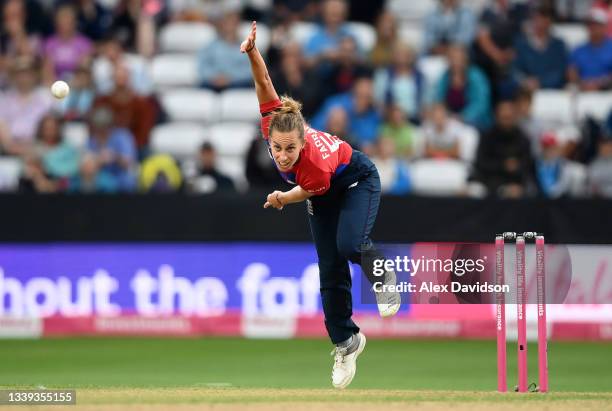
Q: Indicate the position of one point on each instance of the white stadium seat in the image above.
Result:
(180, 139)
(573, 35)
(239, 105)
(185, 37)
(439, 177)
(232, 139)
(413, 10)
(364, 34)
(174, 70)
(432, 68)
(76, 134)
(264, 36)
(234, 167)
(553, 106)
(594, 104)
(191, 105)
(412, 34)
(10, 170)
(468, 144)
(302, 31)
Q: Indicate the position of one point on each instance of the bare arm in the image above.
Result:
(278, 199)
(263, 83)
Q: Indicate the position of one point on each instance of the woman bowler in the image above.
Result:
(342, 190)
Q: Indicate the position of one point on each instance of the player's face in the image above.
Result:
(286, 147)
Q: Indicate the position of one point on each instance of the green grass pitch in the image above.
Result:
(288, 364)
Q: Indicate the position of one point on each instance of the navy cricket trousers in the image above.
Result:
(341, 221)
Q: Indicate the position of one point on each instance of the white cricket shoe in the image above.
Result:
(345, 364)
(388, 302)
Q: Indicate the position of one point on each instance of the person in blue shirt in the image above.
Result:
(541, 59)
(591, 63)
(323, 47)
(449, 23)
(364, 119)
(113, 147)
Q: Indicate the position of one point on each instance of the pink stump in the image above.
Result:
(500, 317)
(541, 300)
(520, 310)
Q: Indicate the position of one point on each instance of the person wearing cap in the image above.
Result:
(22, 107)
(113, 147)
(600, 170)
(606, 6)
(541, 58)
(591, 63)
(556, 176)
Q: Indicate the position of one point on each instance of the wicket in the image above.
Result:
(500, 239)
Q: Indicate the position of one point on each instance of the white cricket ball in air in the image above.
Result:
(60, 89)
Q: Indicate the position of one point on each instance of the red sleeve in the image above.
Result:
(265, 109)
(316, 185)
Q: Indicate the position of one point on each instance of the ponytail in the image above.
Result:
(288, 117)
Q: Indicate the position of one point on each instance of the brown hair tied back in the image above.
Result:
(288, 117)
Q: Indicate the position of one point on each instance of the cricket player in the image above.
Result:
(342, 189)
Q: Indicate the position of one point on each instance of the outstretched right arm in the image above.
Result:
(263, 83)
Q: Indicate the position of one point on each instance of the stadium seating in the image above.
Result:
(594, 104)
(174, 70)
(439, 177)
(186, 37)
(301, 31)
(412, 34)
(553, 106)
(573, 35)
(191, 104)
(365, 35)
(411, 10)
(76, 133)
(179, 139)
(232, 139)
(239, 105)
(10, 170)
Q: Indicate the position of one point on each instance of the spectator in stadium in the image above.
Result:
(15, 40)
(442, 133)
(504, 163)
(220, 62)
(93, 19)
(397, 128)
(394, 176)
(67, 48)
(60, 159)
(451, 22)
(113, 147)
(464, 89)
(338, 125)
(134, 25)
(131, 111)
(500, 25)
(37, 19)
(291, 11)
(209, 179)
(293, 78)
(79, 101)
(556, 176)
(92, 178)
(606, 5)
(323, 47)
(401, 83)
(541, 58)
(33, 179)
(346, 69)
(22, 107)
(260, 171)
(600, 170)
(111, 53)
(591, 63)
(386, 37)
(364, 120)
(160, 174)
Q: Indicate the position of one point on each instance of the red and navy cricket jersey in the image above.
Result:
(323, 156)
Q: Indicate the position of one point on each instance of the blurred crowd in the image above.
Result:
(451, 114)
